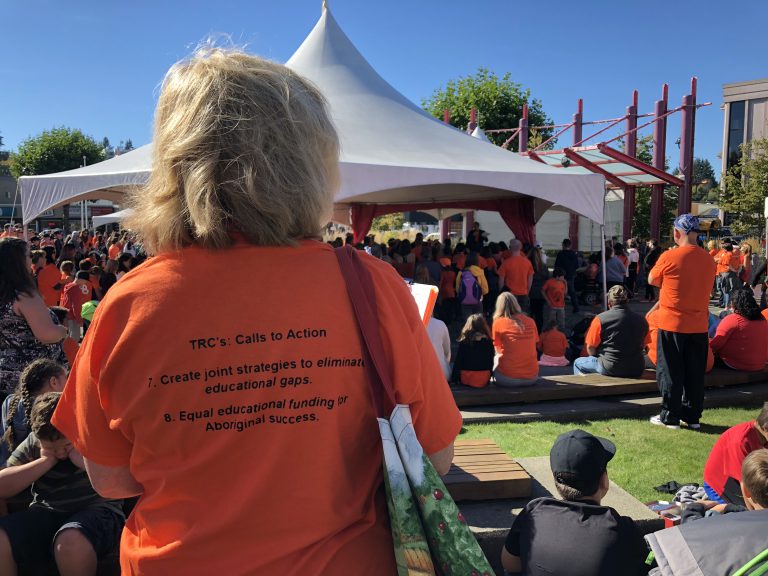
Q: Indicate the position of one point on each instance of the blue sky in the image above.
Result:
(96, 66)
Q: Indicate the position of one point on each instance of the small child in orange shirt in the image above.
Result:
(552, 345)
(554, 291)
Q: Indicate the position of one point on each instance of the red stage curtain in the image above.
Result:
(362, 218)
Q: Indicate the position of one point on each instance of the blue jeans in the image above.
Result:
(712, 495)
(587, 365)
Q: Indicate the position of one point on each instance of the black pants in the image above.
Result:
(537, 312)
(681, 360)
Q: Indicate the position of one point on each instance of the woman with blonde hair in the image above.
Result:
(515, 338)
(259, 402)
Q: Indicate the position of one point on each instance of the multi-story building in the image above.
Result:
(745, 105)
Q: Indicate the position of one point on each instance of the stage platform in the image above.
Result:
(567, 386)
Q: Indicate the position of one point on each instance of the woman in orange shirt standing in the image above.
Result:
(515, 338)
(261, 403)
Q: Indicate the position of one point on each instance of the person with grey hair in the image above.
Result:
(615, 340)
(260, 397)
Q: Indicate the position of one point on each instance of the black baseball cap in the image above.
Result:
(580, 453)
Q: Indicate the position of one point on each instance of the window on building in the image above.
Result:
(735, 132)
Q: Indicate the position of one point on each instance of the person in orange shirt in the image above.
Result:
(516, 274)
(728, 265)
(265, 400)
(115, 248)
(554, 291)
(515, 338)
(683, 276)
(49, 278)
(552, 346)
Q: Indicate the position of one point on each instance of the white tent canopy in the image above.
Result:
(111, 218)
(392, 152)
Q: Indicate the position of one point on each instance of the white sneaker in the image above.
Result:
(656, 421)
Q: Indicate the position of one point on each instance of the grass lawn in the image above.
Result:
(646, 455)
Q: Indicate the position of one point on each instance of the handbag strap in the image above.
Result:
(362, 295)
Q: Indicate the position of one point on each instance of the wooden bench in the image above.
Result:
(569, 386)
(483, 471)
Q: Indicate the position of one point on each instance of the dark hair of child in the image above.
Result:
(40, 417)
(67, 267)
(762, 418)
(83, 275)
(475, 324)
(61, 313)
(33, 379)
(558, 273)
(551, 325)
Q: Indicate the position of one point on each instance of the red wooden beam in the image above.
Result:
(533, 156)
(583, 162)
(640, 165)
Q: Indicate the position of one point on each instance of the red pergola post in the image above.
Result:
(578, 123)
(659, 151)
(631, 150)
(687, 125)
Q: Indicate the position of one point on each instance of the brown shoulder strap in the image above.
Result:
(362, 295)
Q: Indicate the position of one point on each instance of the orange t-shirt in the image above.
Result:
(727, 260)
(685, 277)
(448, 283)
(259, 404)
(651, 342)
(460, 260)
(555, 291)
(553, 343)
(516, 346)
(515, 273)
(49, 277)
(114, 251)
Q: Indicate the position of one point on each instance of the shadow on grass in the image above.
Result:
(715, 429)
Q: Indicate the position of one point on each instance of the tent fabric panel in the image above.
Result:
(111, 218)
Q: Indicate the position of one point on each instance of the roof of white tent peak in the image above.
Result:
(393, 152)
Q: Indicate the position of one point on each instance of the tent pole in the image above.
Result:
(605, 277)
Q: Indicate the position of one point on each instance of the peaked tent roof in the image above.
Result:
(392, 152)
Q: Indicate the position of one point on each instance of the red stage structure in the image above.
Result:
(621, 169)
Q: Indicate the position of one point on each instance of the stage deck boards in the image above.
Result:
(483, 471)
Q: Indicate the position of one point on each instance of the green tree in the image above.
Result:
(54, 151)
(392, 221)
(128, 145)
(499, 102)
(745, 188)
(704, 180)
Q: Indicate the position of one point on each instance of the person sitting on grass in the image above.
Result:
(615, 340)
(552, 346)
(754, 490)
(66, 518)
(722, 472)
(741, 338)
(577, 535)
(474, 359)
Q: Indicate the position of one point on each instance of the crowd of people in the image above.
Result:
(261, 400)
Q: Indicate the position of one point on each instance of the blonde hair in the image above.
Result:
(507, 306)
(243, 145)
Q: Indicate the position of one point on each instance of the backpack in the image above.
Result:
(469, 289)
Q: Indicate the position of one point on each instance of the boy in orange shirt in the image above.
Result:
(75, 295)
(554, 290)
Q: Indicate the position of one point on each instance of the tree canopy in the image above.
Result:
(53, 151)
(745, 189)
(499, 102)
